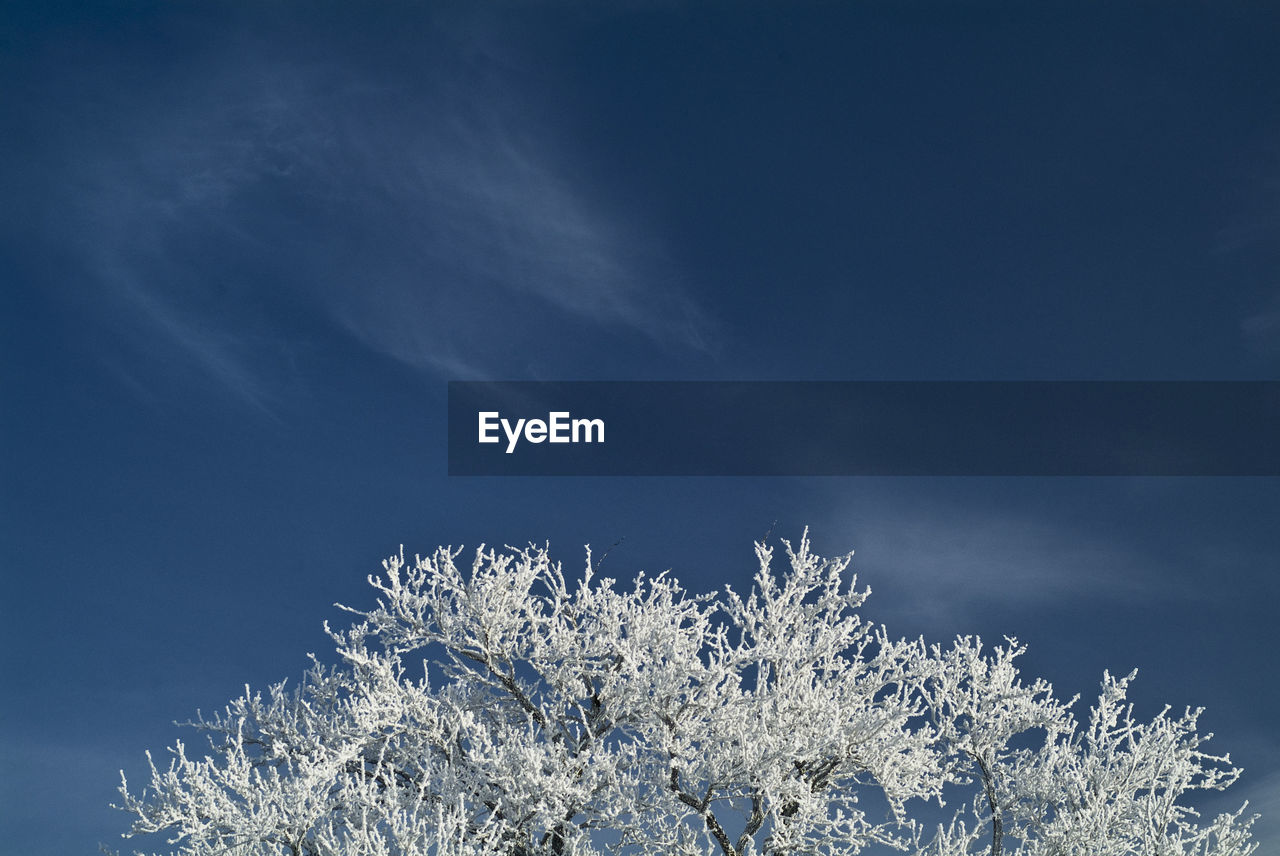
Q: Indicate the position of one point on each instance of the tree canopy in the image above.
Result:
(504, 707)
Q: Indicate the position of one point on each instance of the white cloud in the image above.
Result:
(442, 227)
(1261, 331)
(959, 560)
(1263, 795)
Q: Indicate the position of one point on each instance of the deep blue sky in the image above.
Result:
(244, 246)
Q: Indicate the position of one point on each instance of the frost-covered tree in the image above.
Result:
(506, 708)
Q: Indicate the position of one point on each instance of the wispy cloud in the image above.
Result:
(1261, 331)
(948, 562)
(1264, 800)
(1257, 754)
(442, 224)
(1252, 241)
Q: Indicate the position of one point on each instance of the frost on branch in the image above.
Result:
(505, 708)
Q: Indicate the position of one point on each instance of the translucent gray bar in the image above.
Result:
(1177, 428)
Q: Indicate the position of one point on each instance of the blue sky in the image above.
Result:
(245, 246)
